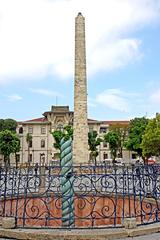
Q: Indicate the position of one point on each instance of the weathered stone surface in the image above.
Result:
(38, 234)
(80, 125)
(0, 221)
(8, 222)
(92, 234)
(42, 180)
(130, 223)
(144, 230)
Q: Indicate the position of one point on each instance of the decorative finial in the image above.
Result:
(79, 14)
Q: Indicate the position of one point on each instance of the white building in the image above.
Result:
(41, 147)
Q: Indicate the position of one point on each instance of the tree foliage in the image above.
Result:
(113, 139)
(122, 131)
(8, 124)
(136, 131)
(151, 138)
(1, 125)
(66, 133)
(93, 142)
(9, 143)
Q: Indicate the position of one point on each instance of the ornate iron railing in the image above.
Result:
(103, 197)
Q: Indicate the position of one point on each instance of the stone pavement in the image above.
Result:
(148, 232)
(155, 236)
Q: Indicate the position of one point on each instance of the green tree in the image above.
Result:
(9, 143)
(151, 138)
(57, 135)
(113, 139)
(136, 131)
(1, 125)
(66, 133)
(29, 143)
(10, 124)
(93, 142)
(121, 129)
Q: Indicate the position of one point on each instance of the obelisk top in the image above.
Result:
(79, 15)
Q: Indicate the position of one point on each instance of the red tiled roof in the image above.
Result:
(92, 120)
(42, 119)
(116, 122)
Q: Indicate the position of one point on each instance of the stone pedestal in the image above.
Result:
(42, 179)
(8, 222)
(130, 223)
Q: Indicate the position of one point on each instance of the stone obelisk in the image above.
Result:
(80, 125)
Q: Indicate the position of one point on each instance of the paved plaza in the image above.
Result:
(155, 236)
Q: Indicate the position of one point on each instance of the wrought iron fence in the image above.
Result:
(103, 196)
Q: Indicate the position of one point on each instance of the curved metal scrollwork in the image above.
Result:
(94, 197)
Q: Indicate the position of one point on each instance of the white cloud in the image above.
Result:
(155, 97)
(46, 92)
(91, 102)
(37, 36)
(114, 55)
(113, 99)
(14, 98)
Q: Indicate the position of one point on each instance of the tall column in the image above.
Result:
(80, 125)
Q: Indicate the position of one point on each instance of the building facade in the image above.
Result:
(41, 147)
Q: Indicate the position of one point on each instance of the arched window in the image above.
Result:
(60, 127)
(42, 143)
(20, 130)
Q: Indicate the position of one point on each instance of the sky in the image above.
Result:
(37, 57)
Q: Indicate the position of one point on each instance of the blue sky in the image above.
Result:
(37, 57)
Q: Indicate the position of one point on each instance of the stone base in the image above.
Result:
(130, 223)
(41, 190)
(8, 222)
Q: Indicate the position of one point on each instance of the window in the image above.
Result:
(134, 155)
(21, 130)
(60, 127)
(105, 156)
(30, 143)
(17, 158)
(30, 158)
(43, 130)
(105, 144)
(30, 130)
(42, 143)
(103, 130)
